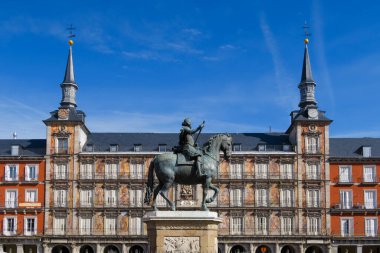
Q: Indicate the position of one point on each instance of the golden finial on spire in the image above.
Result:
(71, 35)
(307, 34)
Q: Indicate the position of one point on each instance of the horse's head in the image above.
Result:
(226, 146)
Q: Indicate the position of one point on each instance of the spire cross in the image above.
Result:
(306, 30)
(71, 28)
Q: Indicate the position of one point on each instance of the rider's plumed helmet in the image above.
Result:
(186, 122)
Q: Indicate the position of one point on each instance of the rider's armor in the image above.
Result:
(187, 145)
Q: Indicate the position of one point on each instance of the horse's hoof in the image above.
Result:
(209, 200)
(155, 208)
(173, 208)
(204, 208)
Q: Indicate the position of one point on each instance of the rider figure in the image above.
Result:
(187, 144)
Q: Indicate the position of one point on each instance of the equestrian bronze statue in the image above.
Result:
(171, 168)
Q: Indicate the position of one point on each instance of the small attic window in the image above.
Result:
(15, 150)
(114, 147)
(261, 147)
(236, 147)
(367, 151)
(161, 147)
(137, 148)
(90, 148)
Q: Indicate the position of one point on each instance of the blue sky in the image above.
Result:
(143, 66)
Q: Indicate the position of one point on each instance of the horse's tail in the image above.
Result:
(149, 185)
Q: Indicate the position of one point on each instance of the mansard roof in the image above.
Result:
(28, 148)
(150, 141)
(353, 147)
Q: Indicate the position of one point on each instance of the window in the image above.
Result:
(30, 226)
(286, 225)
(90, 148)
(236, 170)
(261, 170)
(60, 198)
(86, 198)
(369, 174)
(59, 226)
(345, 199)
(87, 171)
(60, 171)
(312, 144)
(137, 147)
(286, 197)
(114, 148)
(261, 197)
(110, 226)
(9, 225)
(85, 225)
(236, 147)
(345, 174)
(262, 225)
(62, 145)
(313, 198)
(31, 196)
(137, 170)
(370, 199)
(135, 227)
(11, 172)
(11, 199)
(261, 147)
(346, 226)
(31, 172)
(371, 226)
(286, 171)
(312, 171)
(367, 151)
(15, 150)
(313, 225)
(162, 148)
(236, 225)
(112, 170)
(286, 147)
(110, 197)
(236, 197)
(136, 197)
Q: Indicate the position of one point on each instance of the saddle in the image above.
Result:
(183, 160)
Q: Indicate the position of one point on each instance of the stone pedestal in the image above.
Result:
(182, 231)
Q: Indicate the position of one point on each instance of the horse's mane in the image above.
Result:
(207, 144)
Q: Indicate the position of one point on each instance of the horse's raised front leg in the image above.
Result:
(216, 191)
(205, 187)
(163, 193)
(155, 193)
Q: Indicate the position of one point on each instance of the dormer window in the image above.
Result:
(261, 147)
(236, 147)
(15, 150)
(114, 148)
(162, 148)
(90, 148)
(286, 147)
(367, 151)
(137, 148)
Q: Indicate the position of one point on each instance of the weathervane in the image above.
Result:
(306, 31)
(71, 35)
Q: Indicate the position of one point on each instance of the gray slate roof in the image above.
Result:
(28, 148)
(150, 141)
(74, 116)
(352, 147)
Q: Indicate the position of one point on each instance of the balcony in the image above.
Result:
(312, 151)
(60, 205)
(356, 208)
(9, 232)
(10, 180)
(64, 176)
(11, 204)
(30, 180)
(343, 181)
(369, 181)
(253, 176)
(86, 204)
(86, 176)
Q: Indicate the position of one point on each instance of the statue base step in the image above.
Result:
(182, 231)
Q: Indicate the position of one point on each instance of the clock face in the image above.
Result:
(63, 113)
(313, 113)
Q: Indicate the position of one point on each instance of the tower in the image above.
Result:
(309, 132)
(66, 133)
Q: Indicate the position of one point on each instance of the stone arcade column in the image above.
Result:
(182, 231)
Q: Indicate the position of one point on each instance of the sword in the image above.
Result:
(195, 142)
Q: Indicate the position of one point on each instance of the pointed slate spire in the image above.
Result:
(69, 87)
(307, 84)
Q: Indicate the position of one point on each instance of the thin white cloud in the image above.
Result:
(321, 56)
(227, 47)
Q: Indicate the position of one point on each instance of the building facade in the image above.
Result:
(22, 195)
(281, 192)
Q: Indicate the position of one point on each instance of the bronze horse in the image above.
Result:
(169, 173)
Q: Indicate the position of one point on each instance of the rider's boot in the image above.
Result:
(199, 168)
